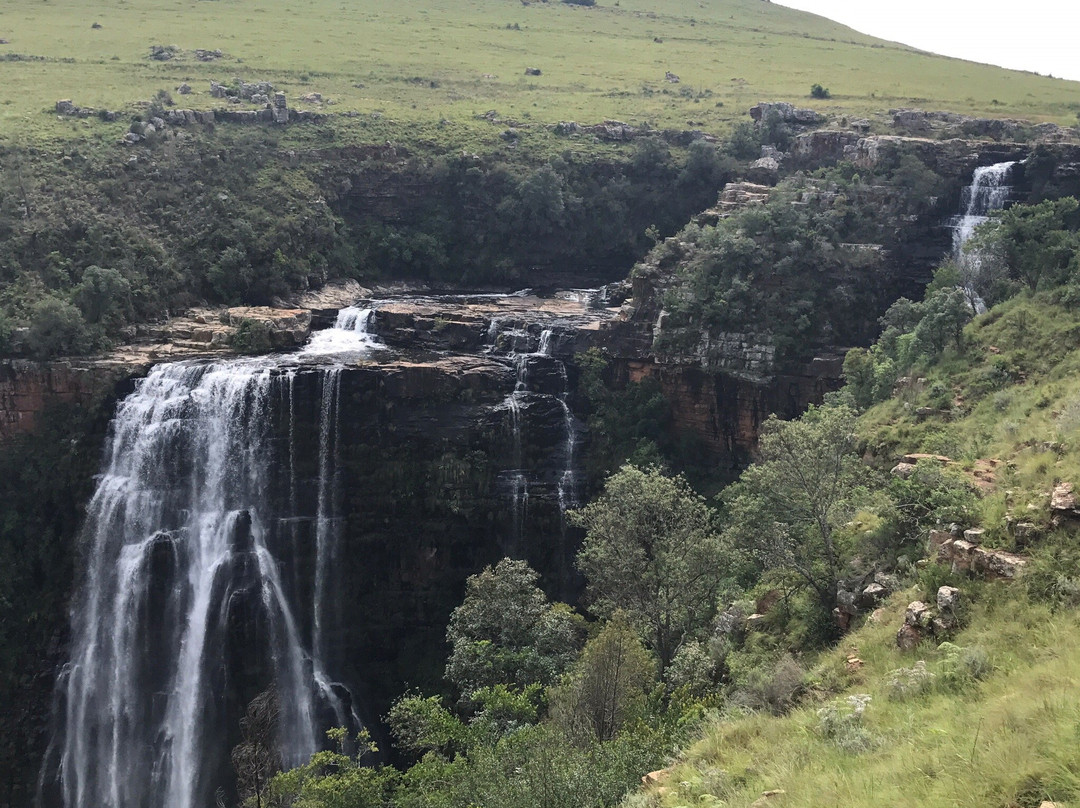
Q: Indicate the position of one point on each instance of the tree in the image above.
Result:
(103, 296)
(1038, 242)
(787, 506)
(608, 682)
(334, 779)
(651, 550)
(57, 327)
(506, 631)
(255, 759)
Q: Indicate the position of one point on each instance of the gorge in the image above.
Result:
(316, 512)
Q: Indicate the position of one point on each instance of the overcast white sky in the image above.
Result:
(1038, 35)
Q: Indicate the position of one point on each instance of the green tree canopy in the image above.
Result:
(506, 631)
(787, 506)
(651, 550)
(607, 683)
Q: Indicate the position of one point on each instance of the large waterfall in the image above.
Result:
(211, 548)
(192, 539)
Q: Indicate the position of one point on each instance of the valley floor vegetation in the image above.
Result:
(708, 633)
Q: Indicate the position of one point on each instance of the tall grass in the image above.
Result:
(452, 59)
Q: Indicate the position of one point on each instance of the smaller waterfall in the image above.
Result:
(526, 350)
(350, 334)
(988, 192)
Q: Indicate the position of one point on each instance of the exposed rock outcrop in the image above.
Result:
(967, 555)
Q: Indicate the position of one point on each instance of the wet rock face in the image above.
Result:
(30, 390)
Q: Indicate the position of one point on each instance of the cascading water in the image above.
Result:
(988, 192)
(212, 545)
(185, 551)
(517, 342)
(350, 334)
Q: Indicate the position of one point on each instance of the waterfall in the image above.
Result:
(211, 548)
(519, 342)
(350, 334)
(185, 554)
(989, 191)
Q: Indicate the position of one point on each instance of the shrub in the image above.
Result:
(817, 91)
(57, 327)
(904, 683)
(103, 296)
(960, 668)
(776, 689)
(842, 724)
(692, 669)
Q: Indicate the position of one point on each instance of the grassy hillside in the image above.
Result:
(998, 723)
(453, 59)
(1007, 740)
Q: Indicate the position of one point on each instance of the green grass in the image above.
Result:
(1013, 395)
(1009, 740)
(454, 59)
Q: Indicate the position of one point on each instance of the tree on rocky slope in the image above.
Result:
(506, 632)
(787, 507)
(651, 550)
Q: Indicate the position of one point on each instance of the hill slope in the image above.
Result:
(453, 59)
(990, 720)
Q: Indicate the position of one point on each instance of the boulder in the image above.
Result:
(1063, 501)
(184, 89)
(939, 544)
(788, 113)
(974, 535)
(942, 626)
(533, 71)
(948, 598)
(998, 565)
(872, 595)
(903, 470)
(908, 637)
(823, 145)
(917, 614)
(656, 777)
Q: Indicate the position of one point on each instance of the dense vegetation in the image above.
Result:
(94, 245)
(806, 267)
(553, 707)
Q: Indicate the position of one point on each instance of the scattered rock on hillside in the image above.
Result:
(948, 598)
(184, 89)
(1063, 502)
(966, 555)
(788, 113)
(163, 53)
(917, 614)
(533, 71)
(671, 78)
(908, 637)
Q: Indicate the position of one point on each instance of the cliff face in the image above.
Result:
(453, 447)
